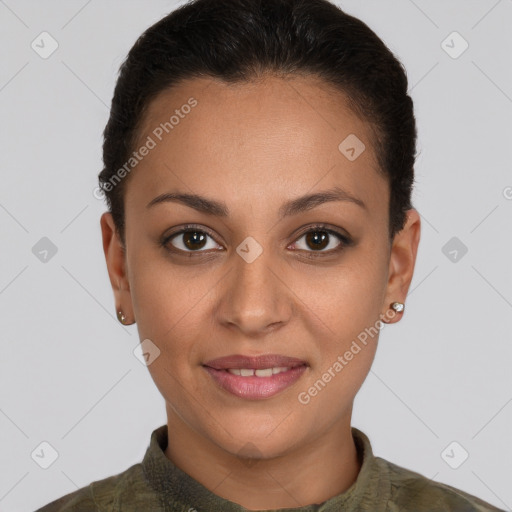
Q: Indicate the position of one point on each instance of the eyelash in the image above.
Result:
(345, 241)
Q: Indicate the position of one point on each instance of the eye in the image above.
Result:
(318, 239)
(191, 239)
(321, 239)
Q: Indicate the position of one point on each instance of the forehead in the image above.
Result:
(210, 136)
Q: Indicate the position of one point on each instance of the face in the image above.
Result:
(274, 243)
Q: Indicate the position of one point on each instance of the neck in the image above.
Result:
(309, 474)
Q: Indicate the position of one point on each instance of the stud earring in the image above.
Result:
(397, 306)
(121, 317)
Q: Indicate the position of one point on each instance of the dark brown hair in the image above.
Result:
(240, 40)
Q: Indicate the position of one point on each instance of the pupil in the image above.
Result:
(194, 240)
(317, 242)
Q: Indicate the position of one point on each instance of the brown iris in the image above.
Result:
(194, 239)
(317, 239)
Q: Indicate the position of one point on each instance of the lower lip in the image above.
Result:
(255, 388)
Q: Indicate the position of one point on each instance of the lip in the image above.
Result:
(253, 387)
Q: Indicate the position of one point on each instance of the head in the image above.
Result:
(258, 173)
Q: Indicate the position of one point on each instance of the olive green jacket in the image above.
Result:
(157, 485)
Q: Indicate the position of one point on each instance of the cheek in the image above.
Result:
(165, 297)
(348, 297)
(349, 305)
(166, 308)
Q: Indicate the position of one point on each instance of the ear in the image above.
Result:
(401, 264)
(115, 256)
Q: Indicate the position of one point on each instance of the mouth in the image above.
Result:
(255, 378)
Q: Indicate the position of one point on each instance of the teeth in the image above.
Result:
(267, 372)
(264, 372)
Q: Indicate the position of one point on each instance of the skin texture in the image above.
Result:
(255, 146)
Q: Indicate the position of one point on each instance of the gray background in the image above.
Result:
(68, 373)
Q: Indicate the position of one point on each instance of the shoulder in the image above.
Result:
(125, 491)
(81, 499)
(412, 491)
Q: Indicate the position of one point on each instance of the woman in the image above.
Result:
(258, 171)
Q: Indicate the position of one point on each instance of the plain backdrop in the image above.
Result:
(71, 387)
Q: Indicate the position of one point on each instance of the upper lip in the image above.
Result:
(256, 363)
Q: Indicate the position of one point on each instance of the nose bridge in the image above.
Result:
(254, 299)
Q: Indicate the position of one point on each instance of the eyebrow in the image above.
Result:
(291, 207)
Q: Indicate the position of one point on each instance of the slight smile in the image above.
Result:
(255, 378)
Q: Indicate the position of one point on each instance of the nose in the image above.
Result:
(254, 297)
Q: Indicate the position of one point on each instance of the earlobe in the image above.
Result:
(401, 264)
